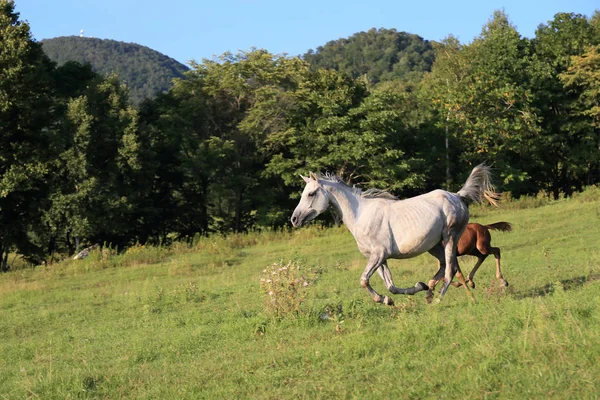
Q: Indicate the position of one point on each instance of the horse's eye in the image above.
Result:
(311, 194)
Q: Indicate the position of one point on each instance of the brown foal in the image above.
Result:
(475, 241)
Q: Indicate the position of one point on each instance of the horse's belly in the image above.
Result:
(420, 241)
(413, 248)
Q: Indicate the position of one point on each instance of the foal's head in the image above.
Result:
(314, 201)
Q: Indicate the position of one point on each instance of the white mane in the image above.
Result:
(366, 194)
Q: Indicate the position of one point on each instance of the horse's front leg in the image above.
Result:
(372, 265)
(386, 275)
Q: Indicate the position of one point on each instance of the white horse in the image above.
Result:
(385, 227)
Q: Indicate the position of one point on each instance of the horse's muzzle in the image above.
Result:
(298, 219)
(296, 222)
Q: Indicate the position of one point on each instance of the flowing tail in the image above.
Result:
(479, 187)
(500, 226)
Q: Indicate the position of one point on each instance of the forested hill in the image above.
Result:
(145, 71)
(380, 54)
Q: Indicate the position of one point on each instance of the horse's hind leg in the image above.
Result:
(438, 252)
(485, 249)
(452, 267)
(372, 265)
(386, 275)
(438, 277)
(480, 259)
(450, 262)
(434, 281)
(496, 252)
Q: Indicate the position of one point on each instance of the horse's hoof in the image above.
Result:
(388, 301)
(504, 283)
(471, 284)
(421, 286)
(429, 297)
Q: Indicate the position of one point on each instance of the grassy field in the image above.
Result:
(194, 323)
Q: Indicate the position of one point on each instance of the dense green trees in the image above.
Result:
(221, 150)
(504, 102)
(563, 153)
(482, 91)
(582, 82)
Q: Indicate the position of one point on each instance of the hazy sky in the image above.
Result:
(192, 30)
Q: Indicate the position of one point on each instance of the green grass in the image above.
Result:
(192, 323)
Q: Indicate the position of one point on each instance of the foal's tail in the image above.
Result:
(479, 187)
(500, 226)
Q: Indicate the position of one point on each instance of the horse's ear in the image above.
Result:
(313, 176)
(305, 178)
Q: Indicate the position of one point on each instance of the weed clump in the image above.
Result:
(285, 287)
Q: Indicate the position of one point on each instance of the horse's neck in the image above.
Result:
(345, 201)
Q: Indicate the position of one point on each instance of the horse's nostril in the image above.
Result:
(294, 220)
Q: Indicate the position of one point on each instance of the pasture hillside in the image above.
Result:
(194, 322)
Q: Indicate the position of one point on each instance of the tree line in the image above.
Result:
(222, 150)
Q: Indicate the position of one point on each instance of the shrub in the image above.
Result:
(285, 287)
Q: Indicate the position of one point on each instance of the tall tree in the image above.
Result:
(582, 80)
(338, 125)
(481, 93)
(60, 212)
(443, 89)
(185, 161)
(240, 89)
(559, 146)
(25, 132)
(100, 168)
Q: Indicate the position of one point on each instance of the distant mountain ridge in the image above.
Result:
(378, 54)
(145, 71)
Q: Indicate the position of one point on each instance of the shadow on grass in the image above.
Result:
(567, 284)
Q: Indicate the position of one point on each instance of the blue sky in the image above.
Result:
(192, 30)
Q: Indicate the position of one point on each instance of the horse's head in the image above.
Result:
(313, 202)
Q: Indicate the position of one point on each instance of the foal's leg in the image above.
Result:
(484, 248)
(386, 275)
(463, 282)
(480, 259)
(496, 252)
(372, 265)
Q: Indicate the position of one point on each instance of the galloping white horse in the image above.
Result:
(385, 227)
